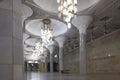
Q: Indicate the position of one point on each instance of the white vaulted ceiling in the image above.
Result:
(34, 27)
(52, 6)
(31, 41)
(30, 49)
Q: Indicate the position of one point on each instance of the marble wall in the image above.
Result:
(71, 62)
(71, 55)
(103, 54)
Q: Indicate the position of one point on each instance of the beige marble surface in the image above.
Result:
(103, 55)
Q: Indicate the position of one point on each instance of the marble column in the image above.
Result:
(60, 40)
(46, 64)
(51, 62)
(82, 22)
(51, 57)
(46, 61)
(61, 67)
(11, 44)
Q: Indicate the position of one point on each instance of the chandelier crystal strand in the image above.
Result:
(46, 37)
(67, 10)
(38, 50)
(46, 32)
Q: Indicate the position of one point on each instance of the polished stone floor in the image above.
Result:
(57, 76)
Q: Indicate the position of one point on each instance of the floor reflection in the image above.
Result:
(57, 76)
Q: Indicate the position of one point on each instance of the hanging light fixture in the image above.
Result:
(38, 50)
(67, 10)
(46, 37)
(46, 32)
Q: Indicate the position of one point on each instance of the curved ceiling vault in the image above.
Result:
(31, 41)
(53, 6)
(29, 49)
(33, 27)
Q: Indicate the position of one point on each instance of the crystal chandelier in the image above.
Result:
(46, 32)
(67, 10)
(46, 37)
(38, 50)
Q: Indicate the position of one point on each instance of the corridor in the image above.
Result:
(57, 76)
(59, 39)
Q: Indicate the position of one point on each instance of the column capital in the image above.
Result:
(82, 22)
(60, 40)
(45, 53)
(51, 48)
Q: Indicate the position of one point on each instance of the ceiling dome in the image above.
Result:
(31, 41)
(34, 27)
(30, 49)
(53, 5)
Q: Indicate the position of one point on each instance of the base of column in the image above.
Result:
(61, 71)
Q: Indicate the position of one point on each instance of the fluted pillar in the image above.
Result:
(82, 23)
(60, 40)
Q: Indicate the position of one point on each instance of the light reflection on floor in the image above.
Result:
(57, 76)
